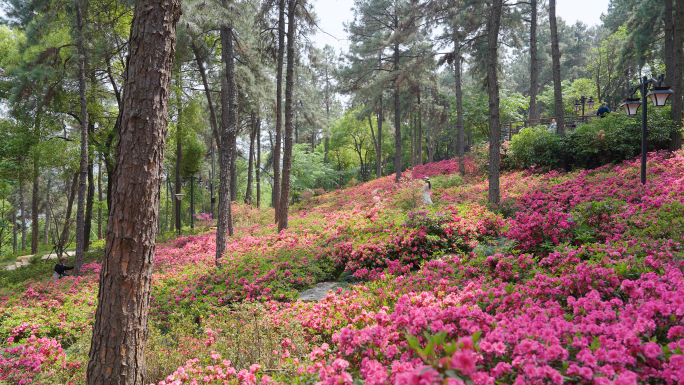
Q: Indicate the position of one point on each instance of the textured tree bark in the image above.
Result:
(99, 198)
(207, 91)
(275, 199)
(179, 154)
(676, 113)
(46, 241)
(397, 114)
(258, 164)
(378, 151)
(460, 151)
(493, 85)
(419, 141)
(412, 120)
(35, 207)
(289, 115)
(669, 51)
(83, 167)
(64, 237)
(90, 196)
(224, 223)
(121, 320)
(233, 168)
(22, 208)
(557, 86)
(534, 62)
(252, 134)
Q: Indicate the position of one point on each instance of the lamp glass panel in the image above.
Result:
(633, 108)
(659, 98)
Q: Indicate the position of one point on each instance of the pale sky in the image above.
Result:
(332, 13)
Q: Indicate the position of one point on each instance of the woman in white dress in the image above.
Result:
(426, 192)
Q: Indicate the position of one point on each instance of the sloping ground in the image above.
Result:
(574, 278)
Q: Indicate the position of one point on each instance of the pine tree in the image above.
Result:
(124, 291)
(557, 86)
(493, 86)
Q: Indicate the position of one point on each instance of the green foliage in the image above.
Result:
(476, 110)
(665, 223)
(41, 269)
(535, 147)
(601, 141)
(595, 219)
(309, 170)
(446, 181)
(617, 137)
(193, 155)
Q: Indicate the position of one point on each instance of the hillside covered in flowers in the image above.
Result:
(574, 278)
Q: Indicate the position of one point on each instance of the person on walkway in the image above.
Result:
(426, 192)
(552, 127)
(61, 269)
(603, 110)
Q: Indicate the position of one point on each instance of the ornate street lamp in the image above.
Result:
(577, 106)
(631, 106)
(659, 97)
(590, 103)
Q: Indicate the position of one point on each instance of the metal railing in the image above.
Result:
(509, 129)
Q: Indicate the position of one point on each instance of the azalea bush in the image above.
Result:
(574, 278)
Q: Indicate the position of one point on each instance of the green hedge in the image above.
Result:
(602, 141)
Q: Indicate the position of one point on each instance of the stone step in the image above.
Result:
(318, 292)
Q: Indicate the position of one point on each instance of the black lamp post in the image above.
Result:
(659, 97)
(179, 197)
(579, 105)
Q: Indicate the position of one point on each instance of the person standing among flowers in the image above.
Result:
(427, 187)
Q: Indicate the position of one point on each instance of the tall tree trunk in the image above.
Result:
(419, 141)
(258, 163)
(35, 207)
(676, 112)
(224, 224)
(22, 209)
(252, 134)
(460, 136)
(64, 237)
(275, 199)
(289, 115)
(397, 133)
(117, 349)
(46, 230)
(14, 231)
(378, 153)
(179, 153)
(90, 196)
(212, 198)
(534, 62)
(493, 86)
(207, 90)
(430, 141)
(412, 120)
(557, 86)
(99, 199)
(83, 167)
(233, 170)
(669, 51)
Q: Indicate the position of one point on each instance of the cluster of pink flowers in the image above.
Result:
(218, 372)
(22, 362)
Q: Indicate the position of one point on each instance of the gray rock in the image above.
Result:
(317, 293)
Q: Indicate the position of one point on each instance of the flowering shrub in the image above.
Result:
(577, 278)
(23, 362)
(205, 220)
